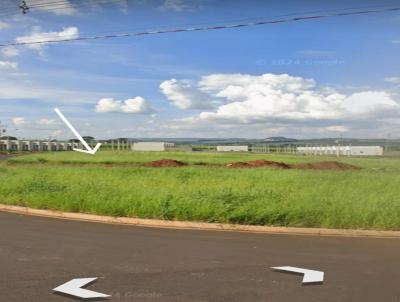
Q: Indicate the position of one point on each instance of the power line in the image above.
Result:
(69, 3)
(201, 28)
(88, 2)
(34, 3)
(51, 6)
(254, 19)
(16, 8)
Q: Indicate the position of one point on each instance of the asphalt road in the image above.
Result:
(146, 264)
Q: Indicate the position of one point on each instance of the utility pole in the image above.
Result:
(2, 129)
(337, 148)
(387, 144)
(339, 141)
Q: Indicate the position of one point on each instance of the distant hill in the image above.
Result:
(279, 139)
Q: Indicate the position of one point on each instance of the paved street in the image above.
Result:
(148, 264)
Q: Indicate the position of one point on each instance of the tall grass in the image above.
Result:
(366, 198)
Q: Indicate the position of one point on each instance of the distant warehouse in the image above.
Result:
(232, 148)
(341, 150)
(15, 145)
(366, 150)
(152, 146)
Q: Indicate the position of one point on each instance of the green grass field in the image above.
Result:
(117, 184)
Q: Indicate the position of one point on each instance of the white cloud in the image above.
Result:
(270, 98)
(19, 121)
(395, 41)
(10, 51)
(370, 103)
(123, 6)
(394, 80)
(56, 133)
(135, 105)
(8, 66)
(256, 98)
(184, 95)
(337, 128)
(4, 25)
(46, 122)
(40, 124)
(38, 36)
(64, 8)
(176, 5)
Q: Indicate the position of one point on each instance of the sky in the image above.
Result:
(306, 79)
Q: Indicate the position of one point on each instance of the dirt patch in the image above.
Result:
(165, 163)
(259, 163)
(325, 165)
(7, 156)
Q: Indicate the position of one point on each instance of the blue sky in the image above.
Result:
(317, 78)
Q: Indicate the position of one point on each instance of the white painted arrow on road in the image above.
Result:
(74, 288)
(88, 150)
(310, 276)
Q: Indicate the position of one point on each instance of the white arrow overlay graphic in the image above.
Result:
(88, 150)
(74, 288)
(310, 276)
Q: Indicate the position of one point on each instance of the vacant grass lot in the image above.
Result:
(116, 184)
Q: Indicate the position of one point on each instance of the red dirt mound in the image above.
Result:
(259, 163)
(325, 165)
(165, 163)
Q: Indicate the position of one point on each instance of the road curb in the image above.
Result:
(155, 223)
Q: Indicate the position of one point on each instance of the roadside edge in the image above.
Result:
(156, 223)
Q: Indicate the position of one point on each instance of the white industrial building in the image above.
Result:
(366, 150)
(341, 150)
(37, 145)
(232, 148)
(152, 146)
